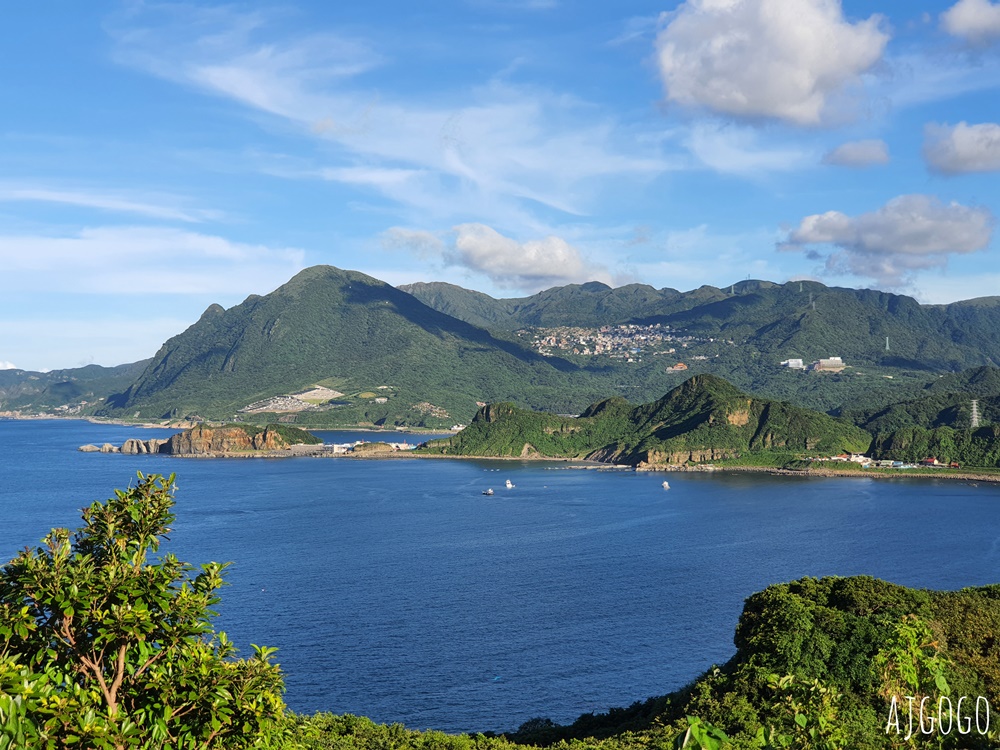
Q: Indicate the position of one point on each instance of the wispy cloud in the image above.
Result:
(916, 78)
(514, 145)
(741, 150)
(858, 154)
(141, 260)
(104, 202)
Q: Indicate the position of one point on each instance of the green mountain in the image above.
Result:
(386, 357)
(798, 319)
(383, 356)
(590, 304)
(938, 423)
(72, 391)
(744, 331)
(703, 419)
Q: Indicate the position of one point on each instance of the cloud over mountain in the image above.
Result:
(909, 233)
(510, 264)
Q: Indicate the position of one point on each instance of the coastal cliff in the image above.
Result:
(205, 440)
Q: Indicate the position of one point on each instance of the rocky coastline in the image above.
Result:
(203, 440)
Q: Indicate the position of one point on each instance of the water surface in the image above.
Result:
(396, 590)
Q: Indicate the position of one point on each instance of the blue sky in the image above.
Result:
(158, 157)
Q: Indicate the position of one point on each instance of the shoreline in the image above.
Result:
(14, 416)
(967, 476)
(312, 451)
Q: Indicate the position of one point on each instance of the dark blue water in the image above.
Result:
(396, 590)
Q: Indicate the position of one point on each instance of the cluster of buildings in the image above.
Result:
(830, 364)
(619, 342)
(870, 463)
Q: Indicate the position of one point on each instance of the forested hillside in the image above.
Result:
(703, 419)
(350, 333)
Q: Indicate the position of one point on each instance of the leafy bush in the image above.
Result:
(100, 647)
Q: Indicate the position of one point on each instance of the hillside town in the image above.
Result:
(627, 342)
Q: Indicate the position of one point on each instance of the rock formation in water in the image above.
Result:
(202, 440)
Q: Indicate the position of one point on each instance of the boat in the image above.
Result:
(666, 485)
(488, 492)
(510, 485)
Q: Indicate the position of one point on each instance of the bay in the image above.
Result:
(396, 590)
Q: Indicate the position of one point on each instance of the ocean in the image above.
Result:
(395, 589)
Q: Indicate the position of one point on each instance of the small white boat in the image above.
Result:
(510, 485)
(666, 485)
(488, 492)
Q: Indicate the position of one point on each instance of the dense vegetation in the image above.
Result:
(349, 332)
(102, 647)
(440, 349)
(47, 391)
(705, 418)
(831, 652)
(797, 319)
(938, 423)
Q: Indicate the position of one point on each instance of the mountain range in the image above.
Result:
(336, 347)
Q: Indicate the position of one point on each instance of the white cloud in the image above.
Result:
(508, 263)
(858, 154)
(908, 234)
(962, 148)
(976, 21)
(8, 366)
(736, 150)
(142, 260)
(105, 202)
(793, 62)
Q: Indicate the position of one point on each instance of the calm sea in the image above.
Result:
(396, 590)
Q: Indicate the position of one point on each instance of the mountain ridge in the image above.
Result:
(344, 330)
(703, 419)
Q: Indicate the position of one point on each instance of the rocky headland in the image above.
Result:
(205, 440)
